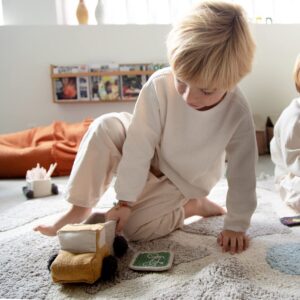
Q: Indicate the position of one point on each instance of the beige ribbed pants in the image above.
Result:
(158, 210)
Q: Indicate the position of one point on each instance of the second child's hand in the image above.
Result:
(119, 213)
(233, 242)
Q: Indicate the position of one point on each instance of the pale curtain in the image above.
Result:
(168, 11)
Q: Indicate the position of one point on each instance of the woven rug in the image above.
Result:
(200, 269)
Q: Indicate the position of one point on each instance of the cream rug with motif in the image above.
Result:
(200, 270)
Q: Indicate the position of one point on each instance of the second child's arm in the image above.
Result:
(290, 136)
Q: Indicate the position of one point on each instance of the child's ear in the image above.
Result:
(120, 246)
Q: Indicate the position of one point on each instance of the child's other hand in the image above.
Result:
(119, 214)
(233, 241)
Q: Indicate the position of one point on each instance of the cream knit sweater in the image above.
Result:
(191, 147)
(285, 145)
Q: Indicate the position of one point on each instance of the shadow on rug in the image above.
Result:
(24, 271)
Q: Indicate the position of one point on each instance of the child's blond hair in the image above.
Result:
(297, 73)
(212, 46)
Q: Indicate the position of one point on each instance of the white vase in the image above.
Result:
(99, 12)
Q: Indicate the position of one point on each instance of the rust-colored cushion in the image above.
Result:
(57, 142)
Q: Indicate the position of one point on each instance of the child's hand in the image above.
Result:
(119, 214)
(233, 241)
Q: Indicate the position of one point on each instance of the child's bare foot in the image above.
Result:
(202, 207)
(46, 230)
(75, 215)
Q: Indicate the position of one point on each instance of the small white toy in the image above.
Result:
(39, 182)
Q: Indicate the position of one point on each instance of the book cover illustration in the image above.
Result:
(108, 88)
(110, 67)
(104, 87)
(94, 82)
(65, 69)
(65, 88)
(131, 85)
(157, 66)
(83, 92)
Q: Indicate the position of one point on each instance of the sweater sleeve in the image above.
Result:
(142, 137)
(241, 157)
(290, 144)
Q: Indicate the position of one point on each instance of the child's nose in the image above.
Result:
(189, 96)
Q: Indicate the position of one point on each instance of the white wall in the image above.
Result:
(27, 51)
(270, 86)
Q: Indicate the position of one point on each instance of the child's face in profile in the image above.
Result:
(198, 97)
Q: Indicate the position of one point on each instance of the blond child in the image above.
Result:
(285, 149)
(170, 153)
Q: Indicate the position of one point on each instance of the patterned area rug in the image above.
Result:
(200, 269)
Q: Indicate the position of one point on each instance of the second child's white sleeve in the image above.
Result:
(290, 145)
(142, 137)
(241, 157)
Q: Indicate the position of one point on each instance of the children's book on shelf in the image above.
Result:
(83, 91)
(101, 82)
(133, 67)
(156, 66)
(65, 88)
(131, 85)
(109, 88)
(104, 87)
(65, 69)
(109, 67)
(94, 82)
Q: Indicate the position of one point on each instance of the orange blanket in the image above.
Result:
(57, 142)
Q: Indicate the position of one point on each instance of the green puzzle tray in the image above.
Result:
(152, 261)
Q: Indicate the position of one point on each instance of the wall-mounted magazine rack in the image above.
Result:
(99, 83)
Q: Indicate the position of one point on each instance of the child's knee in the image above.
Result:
(110, 126)
(104, 122)
(141, 233)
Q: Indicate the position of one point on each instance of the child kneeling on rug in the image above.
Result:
(285, 149)
(170, 153)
